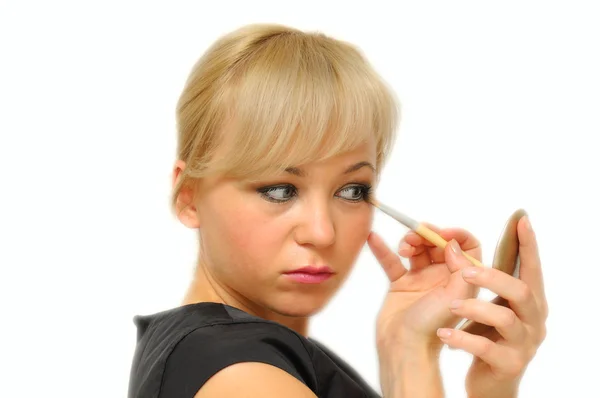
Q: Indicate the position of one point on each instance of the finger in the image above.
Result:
(530, 268)
(409, 251)
(419, 256)
(454, 257)
(505, 360)
(457, 286)
(503, 319)
(390, 262)
(415, 239)
(518, 294)
(465, 239)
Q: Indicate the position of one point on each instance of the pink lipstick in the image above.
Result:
(310, 274)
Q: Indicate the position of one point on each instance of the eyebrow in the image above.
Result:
(298, 172)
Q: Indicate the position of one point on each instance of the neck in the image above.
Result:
(205, 288)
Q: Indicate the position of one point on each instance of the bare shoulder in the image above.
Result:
(253, 379)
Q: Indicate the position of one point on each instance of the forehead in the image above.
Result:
(335, 153)
(366, 151)
(363, 157)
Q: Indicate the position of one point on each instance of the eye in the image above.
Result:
(358, 192)
(283, 193)
(278, 194)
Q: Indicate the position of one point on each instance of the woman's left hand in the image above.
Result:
(501, 357)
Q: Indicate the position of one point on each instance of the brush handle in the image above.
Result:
(437, 240)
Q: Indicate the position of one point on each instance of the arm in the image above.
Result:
(253, 379)
(410, 371)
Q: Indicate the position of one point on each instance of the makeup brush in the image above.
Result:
(419, 228)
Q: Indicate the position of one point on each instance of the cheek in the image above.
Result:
(251, 239)
(354, 231)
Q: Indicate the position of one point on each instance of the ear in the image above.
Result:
(185, 207)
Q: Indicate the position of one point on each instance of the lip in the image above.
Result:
(312, 270)
(303, 277)
(310, 274)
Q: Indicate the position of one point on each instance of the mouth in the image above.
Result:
(310, 274)
(312, 269)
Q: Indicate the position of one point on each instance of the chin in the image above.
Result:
(300, 307)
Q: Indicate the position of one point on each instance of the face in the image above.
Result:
(253, 233)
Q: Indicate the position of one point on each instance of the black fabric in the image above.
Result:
(178, 350)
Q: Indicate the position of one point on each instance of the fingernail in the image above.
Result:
(471, 272)
(404, 249)
(456, 304)
(528, 224)
(455, 247)
(444, 333)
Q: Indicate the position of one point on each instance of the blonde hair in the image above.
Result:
(275, 97)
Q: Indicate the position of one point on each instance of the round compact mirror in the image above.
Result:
(506, 259)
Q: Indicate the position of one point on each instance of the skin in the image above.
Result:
(438, 279)
(248, 241)
(501, 359)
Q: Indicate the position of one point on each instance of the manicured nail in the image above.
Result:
(456, 304)
(471, 272)
(444, 333)
(455, 247)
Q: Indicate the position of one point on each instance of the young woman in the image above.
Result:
(282, 136)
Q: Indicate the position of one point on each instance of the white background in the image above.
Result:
(500, 111)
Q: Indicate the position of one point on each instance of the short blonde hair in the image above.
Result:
(279, 97)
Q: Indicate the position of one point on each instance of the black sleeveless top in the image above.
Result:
(178, 350)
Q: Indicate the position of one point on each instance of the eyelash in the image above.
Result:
(366, 190)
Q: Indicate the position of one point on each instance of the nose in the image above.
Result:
(316, 226)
